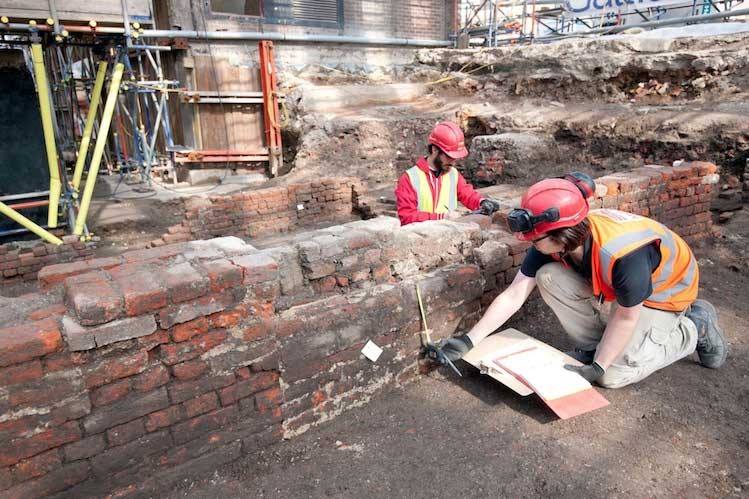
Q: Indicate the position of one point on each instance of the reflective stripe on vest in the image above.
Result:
(617, 234)
(448, 192)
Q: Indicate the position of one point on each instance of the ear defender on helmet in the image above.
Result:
(521, 220)
(582, 181)
(550, 204)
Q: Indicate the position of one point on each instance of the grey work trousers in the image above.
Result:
(660, 337)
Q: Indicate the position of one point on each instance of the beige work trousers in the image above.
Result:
(660, 338)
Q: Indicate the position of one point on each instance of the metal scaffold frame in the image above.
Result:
(75, 68)
(492, 23)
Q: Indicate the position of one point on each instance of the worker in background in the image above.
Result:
(623, 286)
(431, 189)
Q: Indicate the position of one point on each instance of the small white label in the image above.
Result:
(371, 351)
(299, 207)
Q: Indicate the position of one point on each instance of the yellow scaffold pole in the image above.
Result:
(55, 186)
(86, 139)
(101, 140)
(17, 217)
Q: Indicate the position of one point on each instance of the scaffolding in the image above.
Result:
(103, 98)
(491, 23)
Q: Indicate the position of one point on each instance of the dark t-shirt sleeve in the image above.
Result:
(632, 276)
(533, 261)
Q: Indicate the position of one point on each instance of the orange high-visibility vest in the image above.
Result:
(617, 234)
(448, 195)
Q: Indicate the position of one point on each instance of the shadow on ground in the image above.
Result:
(682, 432)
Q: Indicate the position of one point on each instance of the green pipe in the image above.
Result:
(101, 142)
(42, 87)
(17, 217)
(86, 139)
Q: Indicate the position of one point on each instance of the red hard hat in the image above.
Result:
(564, 194)
(449, 137)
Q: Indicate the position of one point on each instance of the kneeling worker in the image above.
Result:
(431, 189)
(623, 286)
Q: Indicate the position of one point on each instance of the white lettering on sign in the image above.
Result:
(597, 7)
(619, 216)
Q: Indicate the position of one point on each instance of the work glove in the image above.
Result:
(455, 348)
(590, 372)
(488, 207)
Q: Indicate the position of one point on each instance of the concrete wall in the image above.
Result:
(140, 370)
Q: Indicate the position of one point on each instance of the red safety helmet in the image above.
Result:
(449, 138)
(551, 204)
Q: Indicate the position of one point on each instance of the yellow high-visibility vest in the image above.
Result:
(448, 196)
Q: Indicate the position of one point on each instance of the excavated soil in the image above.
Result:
(681, 433)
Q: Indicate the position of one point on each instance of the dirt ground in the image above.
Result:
(680, 433)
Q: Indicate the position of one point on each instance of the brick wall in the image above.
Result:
(676, 196)
(414, 19)
(21, 263)
(164, 363)
(265, 211)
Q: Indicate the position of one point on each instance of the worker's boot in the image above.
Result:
(712, 346)
(582, 356)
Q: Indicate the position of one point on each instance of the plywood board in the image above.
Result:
(236, 127)
(527, 365)
(78, 10)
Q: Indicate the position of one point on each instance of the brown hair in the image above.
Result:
(571, 237)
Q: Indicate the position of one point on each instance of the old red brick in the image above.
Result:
(704, 168)
(26, 447)
(325, 285)
(116, 368)
(201, 404)
(85, 448)
(66, 360)
(184, 390)
(463, 275)
(45, 312)
(151, 341)
(29, 341)
(94, 299)
(142, 292)
(256, 268)
(55, 274)
(180, 352)
(184, 432)
(164, 418)
(257, 331)
(124, 433)
(21, 373)
(190, 369)
(109, 393)
(222, 274)
(151, 379)
(186, 330)
(229, 318)
(183, 282)
(54, 481)
(269, 399)
(38, 465)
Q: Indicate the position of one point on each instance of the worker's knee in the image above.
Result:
(617, 378)
(549, 275)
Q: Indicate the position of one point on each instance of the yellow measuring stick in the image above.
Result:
(425, 333)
